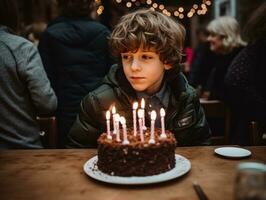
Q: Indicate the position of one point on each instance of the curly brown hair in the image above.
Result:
(149, 29)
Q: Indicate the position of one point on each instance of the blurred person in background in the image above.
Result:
(246, 79)
(186, 66)
(75, 54)
(25, 89)
(202, 61)
(33, 32)
(226, 42)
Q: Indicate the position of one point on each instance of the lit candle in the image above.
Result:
(135, 106)
(108, 115)
(142, 105)
(123, 122)
(140, 113)
(162, 113)
(117, 118)
(153, 118)
(113, 113)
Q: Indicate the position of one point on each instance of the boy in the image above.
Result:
(149, 47)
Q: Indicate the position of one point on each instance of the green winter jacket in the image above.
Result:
(184, 115)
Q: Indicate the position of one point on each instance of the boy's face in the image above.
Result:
(144, 70)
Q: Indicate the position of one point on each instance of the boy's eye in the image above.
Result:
(125, 57)
(146, 57)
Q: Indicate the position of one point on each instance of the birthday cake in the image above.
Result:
(137, 157)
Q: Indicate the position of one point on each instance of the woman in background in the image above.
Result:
(25, 89)
(225, 41)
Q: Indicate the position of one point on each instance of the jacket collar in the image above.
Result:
(117, 79)
(176, 80)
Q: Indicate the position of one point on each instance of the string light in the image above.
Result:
(129, 4)
(208, 3)
(195, 6)
(155, 5)
(161, 7)
(149, 2)
(176, 13)
(180, 11)
(100, 8)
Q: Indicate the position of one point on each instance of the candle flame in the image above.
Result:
(135, 105)
(108, 114)
(117, 117)
(162, 112)
(142, 103)
(113, 110)
(140, 113)
(153, 115)
(122, 120)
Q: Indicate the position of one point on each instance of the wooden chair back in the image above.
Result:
(218, 110)
(257, 136)
(48, 131)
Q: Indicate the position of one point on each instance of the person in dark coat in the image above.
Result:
(25, 89)
(246, 80)
(149, 46)
(75, 54)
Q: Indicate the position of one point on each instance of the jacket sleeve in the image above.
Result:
(31, 71)
(192, 127)
(84, 132)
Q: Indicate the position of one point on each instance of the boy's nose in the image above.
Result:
(135, 66)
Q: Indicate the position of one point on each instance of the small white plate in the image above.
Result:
(232, 152)
(182, 167)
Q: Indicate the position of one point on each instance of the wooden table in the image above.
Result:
(58, 174)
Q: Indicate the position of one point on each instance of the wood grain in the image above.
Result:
(58, 174)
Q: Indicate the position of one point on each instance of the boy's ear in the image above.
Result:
(167, 66)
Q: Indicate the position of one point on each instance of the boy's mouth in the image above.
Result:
(137, 77)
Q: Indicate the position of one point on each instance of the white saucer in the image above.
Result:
(233, 152)
(182, 167)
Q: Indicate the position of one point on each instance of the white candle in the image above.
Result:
(153, 118)
(108, 114)
(123, 122)
(113, 113)
(142, 105)
(140, 113)
(117, 118)
(135, 107)
(162, 113)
